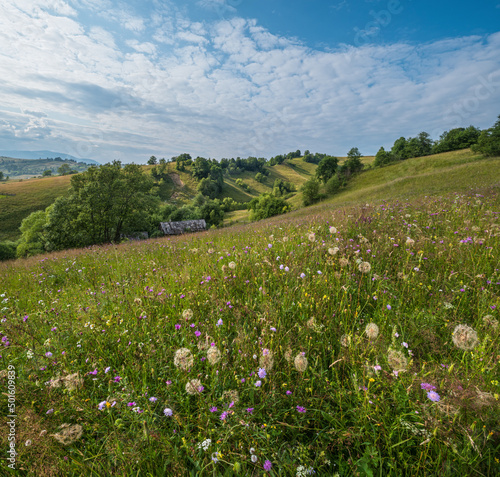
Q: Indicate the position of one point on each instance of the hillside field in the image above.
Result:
(359, 336)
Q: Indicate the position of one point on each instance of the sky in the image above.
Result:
(124, 80)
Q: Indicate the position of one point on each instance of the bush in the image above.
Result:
(334, 184)
(267, 205)
(7, 250)
(488, 143)
(310, 192)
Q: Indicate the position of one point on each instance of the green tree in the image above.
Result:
(310, 192)
(353, 163)
(327, 168)
(259, 177)
(32, 240)
(399, 149)
(64, 170)
(383, 157)
(201, 168)
(334, 184)
(212, 212)
(7, 250)
(267, 205)
(455, 139)
(488, 142)
(152, 161)
(1, 176)
(103, 203)
(208, 188)
(47, 173)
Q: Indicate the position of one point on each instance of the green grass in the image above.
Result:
(109, 314)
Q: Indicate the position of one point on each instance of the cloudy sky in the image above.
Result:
(108, 79)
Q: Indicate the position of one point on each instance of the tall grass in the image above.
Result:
(291, 296)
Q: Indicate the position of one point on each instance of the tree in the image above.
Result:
(64, 170)
(353, 163)
(383, 157)
(47, 173)
(152, 161)
(399, 149)
(201, 168)
(103, 203)
(334, 184)
(458, 138)
(267, 205)
(488, 142)
(326, 168)
(32, 239)
(259, 177)
(310, 192)
(212, 212)
(1, 176)
(208, 188)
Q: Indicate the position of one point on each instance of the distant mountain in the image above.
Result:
(44, 155)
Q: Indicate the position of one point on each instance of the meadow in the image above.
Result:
(334, 340)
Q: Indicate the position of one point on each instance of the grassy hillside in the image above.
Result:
(28, 168)
(18, 199)
(333, 340)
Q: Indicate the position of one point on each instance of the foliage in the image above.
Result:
(259, 177)
(456, 139)
(65, 169)
(310, 192)
(8, 250)
(282, 187)
(327, 168)
(488, 142)
(353, 164)
(47, 173)
(152, 161)
(334, 184)
(383, 158)
(267, 205)
(32, 238)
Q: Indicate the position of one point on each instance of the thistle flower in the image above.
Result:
(397, 361)
(371, 330)
(194, 387)
(464, 337)
(213, 355)
(300, 363)
(69, 434)
(183, 359)
(364, 267)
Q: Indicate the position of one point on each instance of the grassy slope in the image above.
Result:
(19, 199)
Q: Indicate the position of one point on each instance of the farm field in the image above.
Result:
(336, 340)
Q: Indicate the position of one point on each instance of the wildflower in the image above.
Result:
(258, 384)
(377, 368)
(213, 355)
(194, 386)
(333, 251)
(288, 392)
(311, 237)
(232, 265)
(490, 322)
(333, 230)
(183, 359)
(250, 410)
(273, 329)
(300, 363)
(254, 458)
(213, 409)
(205, 444)
(267, 465)
(223, 416)
(267, 360)
(30, 354)
(344, 262)
(287, 269)
(371, 330)
(69, 434)
(464, 337)
(433, 396)
(427, 386)
(364, 267)
(48, 354)
(117, 379)
(27, 443)
(153, 399)
(410, 241)
(301, 409)
(197, 333)
(345, 341)
(131, 404)
(262, 373)
(50, 411)
(302, 275)
(107, 370)
(231, 395)
(397, 361)
(177, 326)
(220, 322)
(389, 307)
(102, 405)
(187, 314)
(168, 412)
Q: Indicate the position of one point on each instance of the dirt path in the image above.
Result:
(176, 179)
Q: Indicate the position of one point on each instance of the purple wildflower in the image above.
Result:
(267, 465)
(301, 409)
(433, 396)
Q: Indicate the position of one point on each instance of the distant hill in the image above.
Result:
(43, 155)
(17, 169)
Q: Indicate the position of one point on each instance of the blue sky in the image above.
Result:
(107, 79)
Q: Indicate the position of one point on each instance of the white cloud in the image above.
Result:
(228, 88)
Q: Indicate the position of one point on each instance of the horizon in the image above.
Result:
(109, 80)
